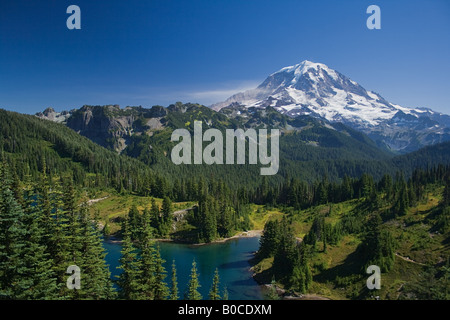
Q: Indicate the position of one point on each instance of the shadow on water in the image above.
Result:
(235, 264)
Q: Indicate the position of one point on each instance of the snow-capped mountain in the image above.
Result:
(314, 89)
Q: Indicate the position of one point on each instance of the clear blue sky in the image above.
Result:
(140, 52)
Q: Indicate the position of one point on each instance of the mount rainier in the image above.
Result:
(316, 90)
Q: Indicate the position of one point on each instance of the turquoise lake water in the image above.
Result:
(230, 257)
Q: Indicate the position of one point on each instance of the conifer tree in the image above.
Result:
(192, 292)
(269, 239)
(160, 287)
(174, 283)
(214, 291)
(96, 281)
(73, 227)
(41, 280)
(225, 293)
(64, 246)
(272, 294)
(134, 222)
(166, 211)
(12, 242)
(155, 215)
(147, 265)
(129, 280)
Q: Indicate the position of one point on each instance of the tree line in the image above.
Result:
(377, 202)
(43, 231)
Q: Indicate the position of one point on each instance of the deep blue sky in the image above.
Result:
(140, 52)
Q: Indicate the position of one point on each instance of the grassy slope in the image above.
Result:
(337, 272)
(116, 206)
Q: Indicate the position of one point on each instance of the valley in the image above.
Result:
(343, 196)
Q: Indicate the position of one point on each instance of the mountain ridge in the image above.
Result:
(314, 89)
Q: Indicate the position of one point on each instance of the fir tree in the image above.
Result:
(25, 268)
(40, 277)
(174, 283)
(225, 293)
(214, 291)
(272, 294)
(129, 280)
(166, 211)
(160, 289)
(14, 272)
(96, 281)
(269, 239)
(147, 265)
(134, 222)
(192, 292)
(155, 215)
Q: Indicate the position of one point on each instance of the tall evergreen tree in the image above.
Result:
(41, 278)
(269, 240)
(174, 283)
(285, 255)
(129, 280)
(96, 281)
(214, 291)
(160, 289)
(166, 216)
(12, 242)
(147, 265)
(192, 292)
(225, 293)
(155, 215)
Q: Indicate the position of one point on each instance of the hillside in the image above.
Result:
(310, 148)
(32, 145)
(414, 261)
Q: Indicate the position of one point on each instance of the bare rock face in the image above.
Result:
(52, 115)
(113, 127)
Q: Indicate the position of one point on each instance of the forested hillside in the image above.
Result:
(399, 225)
(338, 204)
(32, 146)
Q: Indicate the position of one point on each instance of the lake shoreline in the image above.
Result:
(243, 234)
(230, 257)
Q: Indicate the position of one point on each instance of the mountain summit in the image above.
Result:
(314, 89)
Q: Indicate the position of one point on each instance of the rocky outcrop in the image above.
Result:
(113, 127)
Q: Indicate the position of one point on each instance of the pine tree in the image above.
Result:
(174, 283)
(73, 227)
(301, 278)
(147, 265)
(214, 291)
(193, 293)
(41, 278)
(166, 211)
(272, 294)
(96, 281)
(155, 215)
(160, 289)
(25, 267)
(129, 279)
(46, 215)
(16, 268)
(207, 218)
(285, 255)
(134, 222)
(225, 293)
